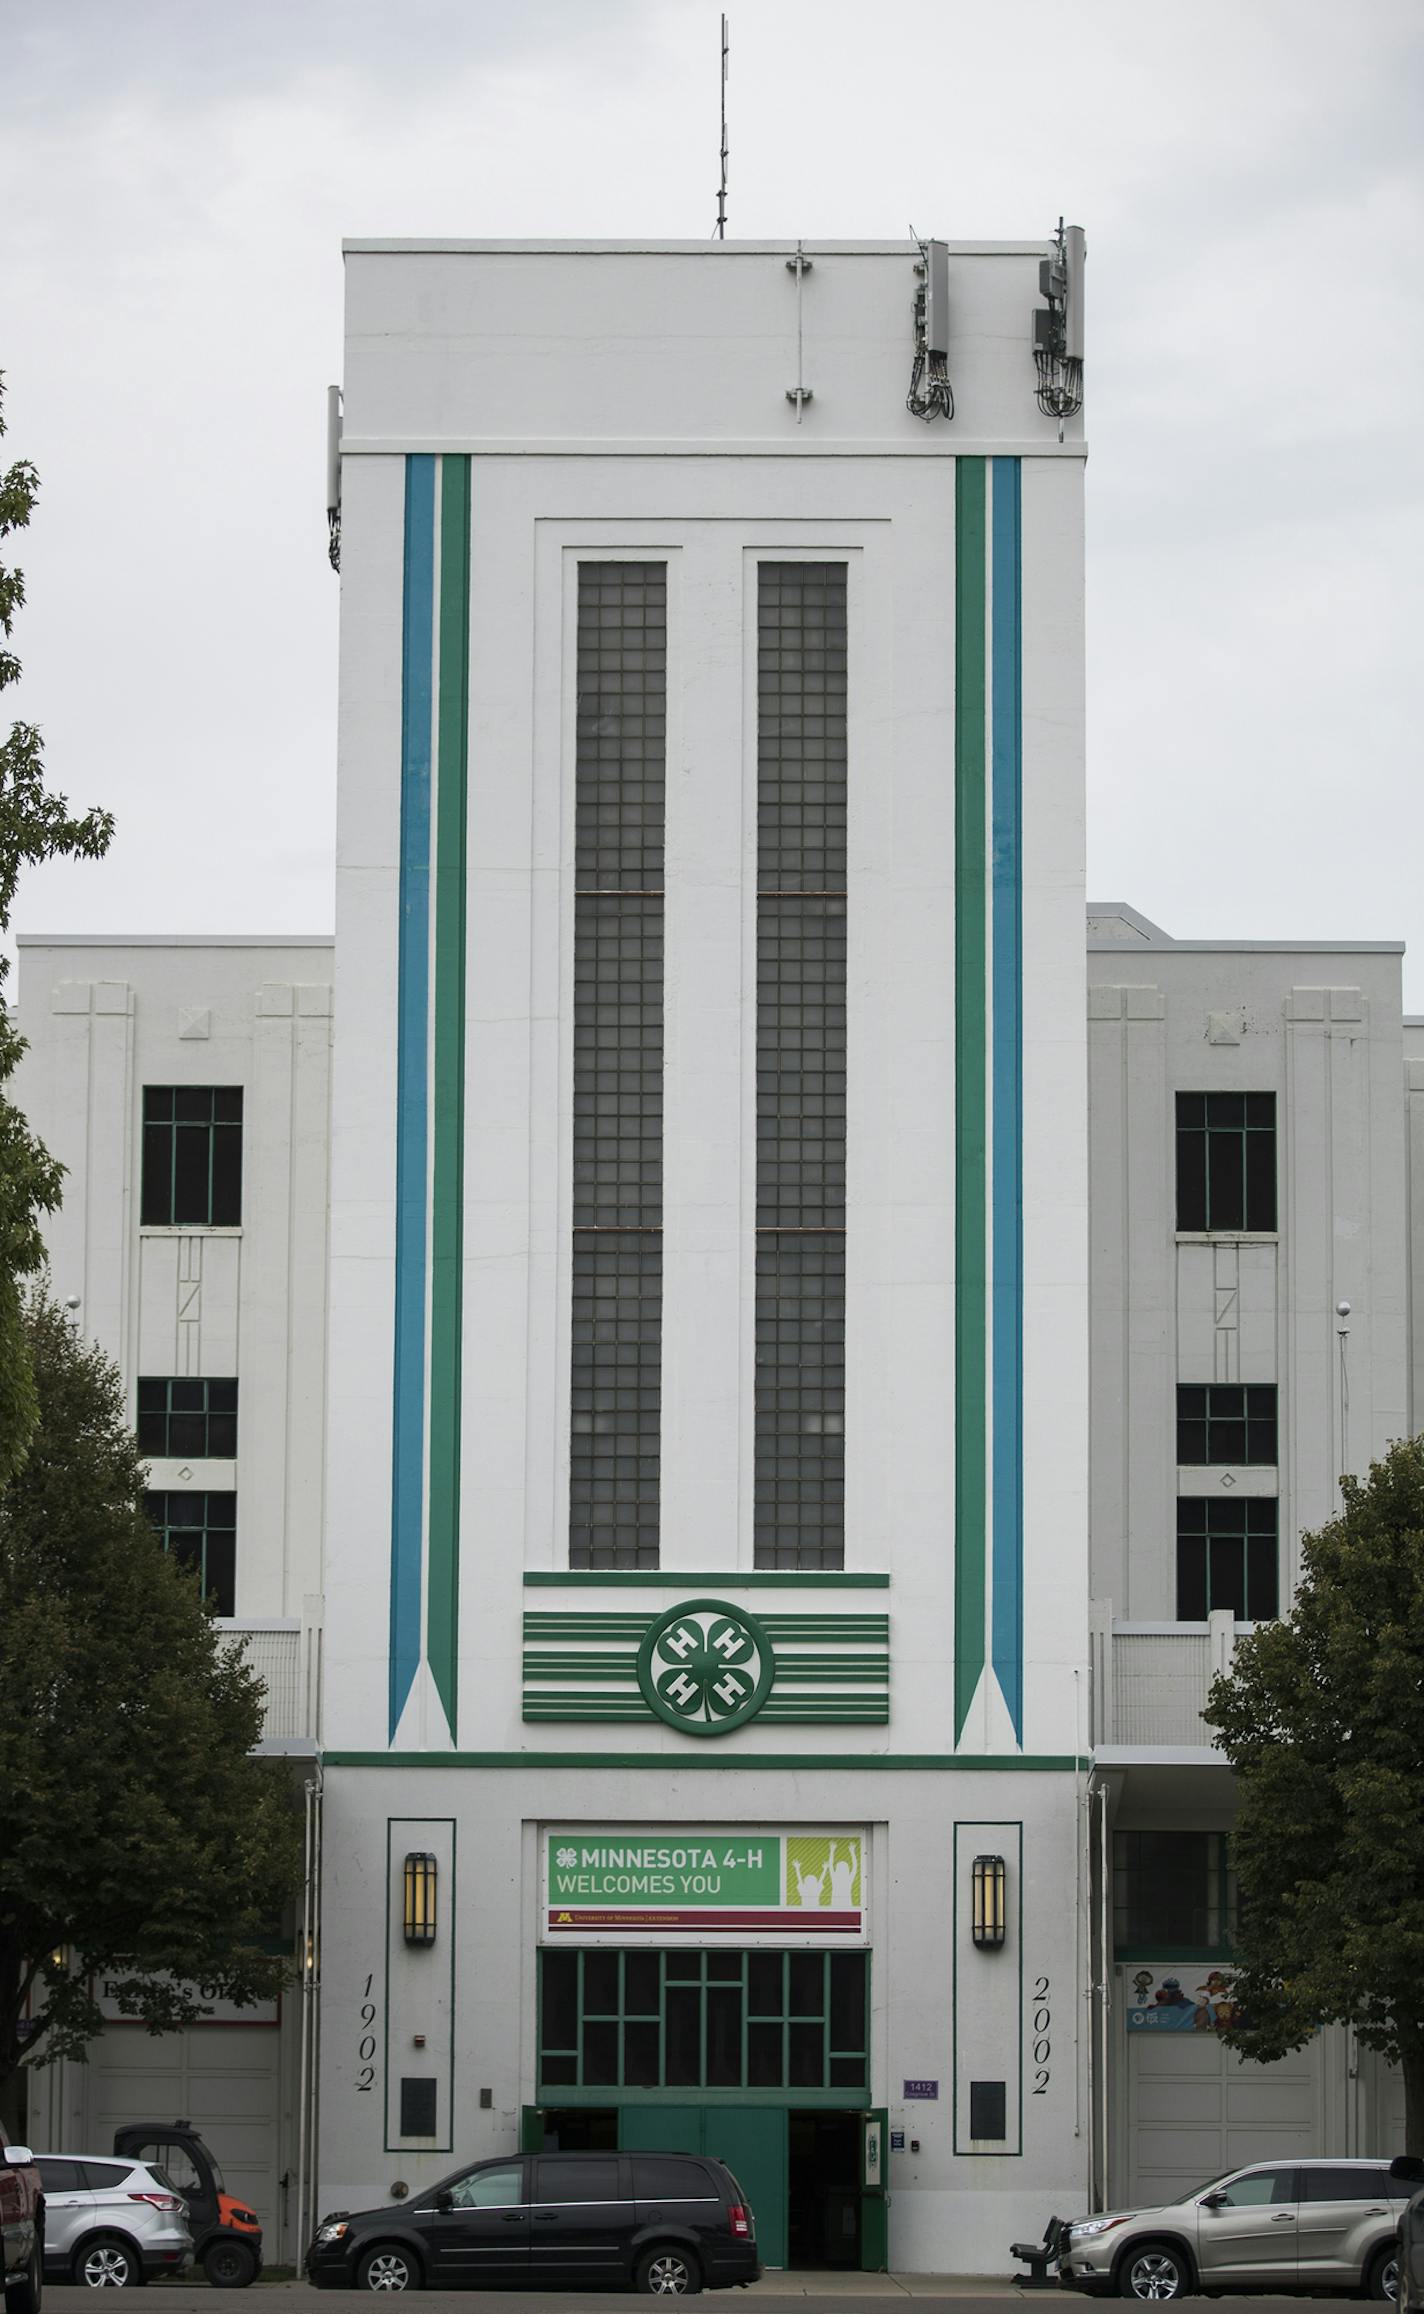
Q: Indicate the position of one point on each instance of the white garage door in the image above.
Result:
(225, 2079)
(1194, 2109)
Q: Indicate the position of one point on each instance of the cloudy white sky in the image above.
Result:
(175, 180)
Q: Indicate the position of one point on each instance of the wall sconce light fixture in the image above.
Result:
(990, 1911)
(420, 1875)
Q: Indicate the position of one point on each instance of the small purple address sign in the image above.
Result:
(925, 2090)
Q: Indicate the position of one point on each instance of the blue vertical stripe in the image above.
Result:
(1006, 1067)
(412, 1082)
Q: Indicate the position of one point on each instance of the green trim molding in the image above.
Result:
(787, 1763)
(663, 1579)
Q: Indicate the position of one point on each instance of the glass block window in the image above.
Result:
(620, 769)
(201, 1532)
(192, 1156)
(1227, 1556)
(187, 1415)
(703, 2020)
(801, 1065)
(1226, 1422)
(1172, 1893)
(1226, 1161)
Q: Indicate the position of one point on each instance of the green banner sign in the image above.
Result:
(695, 1881)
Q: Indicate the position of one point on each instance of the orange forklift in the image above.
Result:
(227, 2236)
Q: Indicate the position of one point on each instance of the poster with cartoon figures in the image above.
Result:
(681, 1881)
(1190, 1998)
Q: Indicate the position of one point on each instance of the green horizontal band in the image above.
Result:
(667, 1579)
(787, 1763)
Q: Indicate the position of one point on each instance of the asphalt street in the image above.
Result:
(847, 2294)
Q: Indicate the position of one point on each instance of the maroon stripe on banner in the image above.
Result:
(796, 1917)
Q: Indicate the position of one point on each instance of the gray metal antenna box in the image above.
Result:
(937, 297)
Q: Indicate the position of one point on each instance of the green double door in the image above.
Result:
(750, 2139)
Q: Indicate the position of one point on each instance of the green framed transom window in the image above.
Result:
(651, 2019)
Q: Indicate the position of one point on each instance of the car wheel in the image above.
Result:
(106, 2263)
(387, 2267)
(1382, 2273)
(668, 2273)
(23, 2296)
(229, 2265)
(1154, 2270)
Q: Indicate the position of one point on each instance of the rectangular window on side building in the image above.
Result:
(1226, 1422)
(199, 1529)
(620, 778)
(184, 1416)
(192, 1156)
(1228, 1557)
(802, 758)
(1226, 1161)
(1172, 1893)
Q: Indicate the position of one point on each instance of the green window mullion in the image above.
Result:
(702, 2020)
(578, 2027)
(826, 2020)
(662, 2020)
(746, 2005)
(786, 2020)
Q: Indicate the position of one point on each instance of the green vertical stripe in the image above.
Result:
(970, 1019)
(448, 1135)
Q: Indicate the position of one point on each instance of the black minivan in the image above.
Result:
(669, 2223)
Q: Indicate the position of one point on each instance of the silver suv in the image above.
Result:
(1288, 2226)
(110, 2222)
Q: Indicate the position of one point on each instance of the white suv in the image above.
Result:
(111, 2222)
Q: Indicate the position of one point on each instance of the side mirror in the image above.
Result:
(19, 2156)
(444, 2200)
(1212, 2201)
(1408, 2168)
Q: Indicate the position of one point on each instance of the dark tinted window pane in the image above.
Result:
(847, 2000)
(58, 2176)
(1226, 1574)
(156, 1202)
(559, 2179)
(103, 2176)
(220, 1577)
(227, 1104)
(187, 1434)
(1166, 1889)
(724, 2036)
(1191, 1423)
(222, 1434)
(1261, 1180)
(765, 1983)
(659, 2180)
(640, 1984)
(640, 2055)
(157, 1104)
(808, 2056)
(559, 1978)
(152, 1433)
(1262, 1599)
(227, 1176)
(193, 1104)
(222, 1395)
(558, 2072)
(1191, 1175)
(684, 2037)
(152, 1395)
(808, 1984)
(600, 2055)
(847, 2073)
(1261, 1110)
(1261, 1422)
(187, 1394)
(1191, 1578)
(764, 2056)
(725, 1967)
(600, 1984)
(1348, 2185)
(1225, 1182)
(192, 1179)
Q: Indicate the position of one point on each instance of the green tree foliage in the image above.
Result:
(34, 825)
(1322, 1717)
(140, 1840)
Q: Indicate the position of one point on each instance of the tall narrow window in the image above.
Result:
(801, 1065)
(618, 1064)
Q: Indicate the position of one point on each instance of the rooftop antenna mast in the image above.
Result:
(721, 233)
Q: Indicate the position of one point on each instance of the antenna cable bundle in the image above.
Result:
(931, 395)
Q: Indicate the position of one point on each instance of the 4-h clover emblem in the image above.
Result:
(706, 1667)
